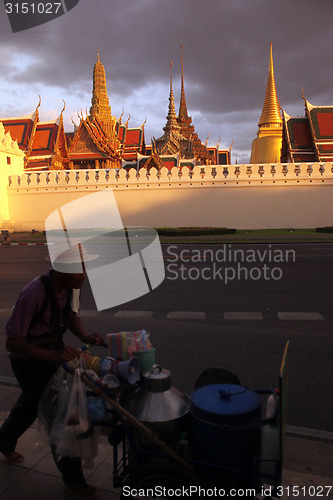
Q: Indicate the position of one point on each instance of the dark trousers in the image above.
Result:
(33, 377)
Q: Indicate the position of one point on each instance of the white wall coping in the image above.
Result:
(208, 175)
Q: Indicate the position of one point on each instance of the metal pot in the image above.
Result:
(161, 407)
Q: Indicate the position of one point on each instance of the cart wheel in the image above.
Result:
(162, 480)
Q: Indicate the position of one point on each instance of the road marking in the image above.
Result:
(22, 244)
(133, 314)
(186, 315)
(201, 315)
(300, 316)
(246, 315)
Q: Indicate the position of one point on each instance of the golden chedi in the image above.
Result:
(266, 147)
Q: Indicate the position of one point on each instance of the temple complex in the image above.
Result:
(266, 147)
(101, 140)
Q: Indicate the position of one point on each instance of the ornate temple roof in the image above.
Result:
(154, 160)
(90, 142)
(321, 126)
(298, 145)
(309, 138)
(271, 110)
(43, 143)
(134, 143)
(49, 147)
(22, 128)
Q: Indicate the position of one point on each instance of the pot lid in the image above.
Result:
(157, 379)
(225, 404)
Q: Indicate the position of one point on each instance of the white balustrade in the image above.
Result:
(199, 175)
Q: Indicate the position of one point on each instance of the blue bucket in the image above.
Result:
(225, 426)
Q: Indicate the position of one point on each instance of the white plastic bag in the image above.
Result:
(77, 417)
(88, 446)
(64, 442)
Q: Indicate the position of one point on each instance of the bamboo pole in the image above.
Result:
(130, 418)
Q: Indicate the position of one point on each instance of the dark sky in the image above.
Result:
(226, 51)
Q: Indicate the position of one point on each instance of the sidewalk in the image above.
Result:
(308, 462)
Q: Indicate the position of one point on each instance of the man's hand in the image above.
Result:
(76, 327)
(69, 353)
(94, 339)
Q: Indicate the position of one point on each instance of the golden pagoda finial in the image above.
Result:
(40, 102)
(97, 55)
(218, 143)
(303, 94)
(270, 112)
(232, 143)
(63, 109)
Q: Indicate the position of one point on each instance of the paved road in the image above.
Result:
(198, 318)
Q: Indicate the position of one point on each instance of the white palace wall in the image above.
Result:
(234, 196)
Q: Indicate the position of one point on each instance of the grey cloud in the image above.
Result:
(226, 49)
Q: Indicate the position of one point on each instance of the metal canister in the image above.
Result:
(161, 407)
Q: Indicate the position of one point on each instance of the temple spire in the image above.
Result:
(172, 116)
(271, 111)
(266, 147)
(100, 107)
(182, 107)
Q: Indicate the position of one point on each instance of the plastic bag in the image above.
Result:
(77, 418)
(49, 402)
(64, 442)
(88, 446)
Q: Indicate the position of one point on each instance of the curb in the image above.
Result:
(311, 434)
(291, 430)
